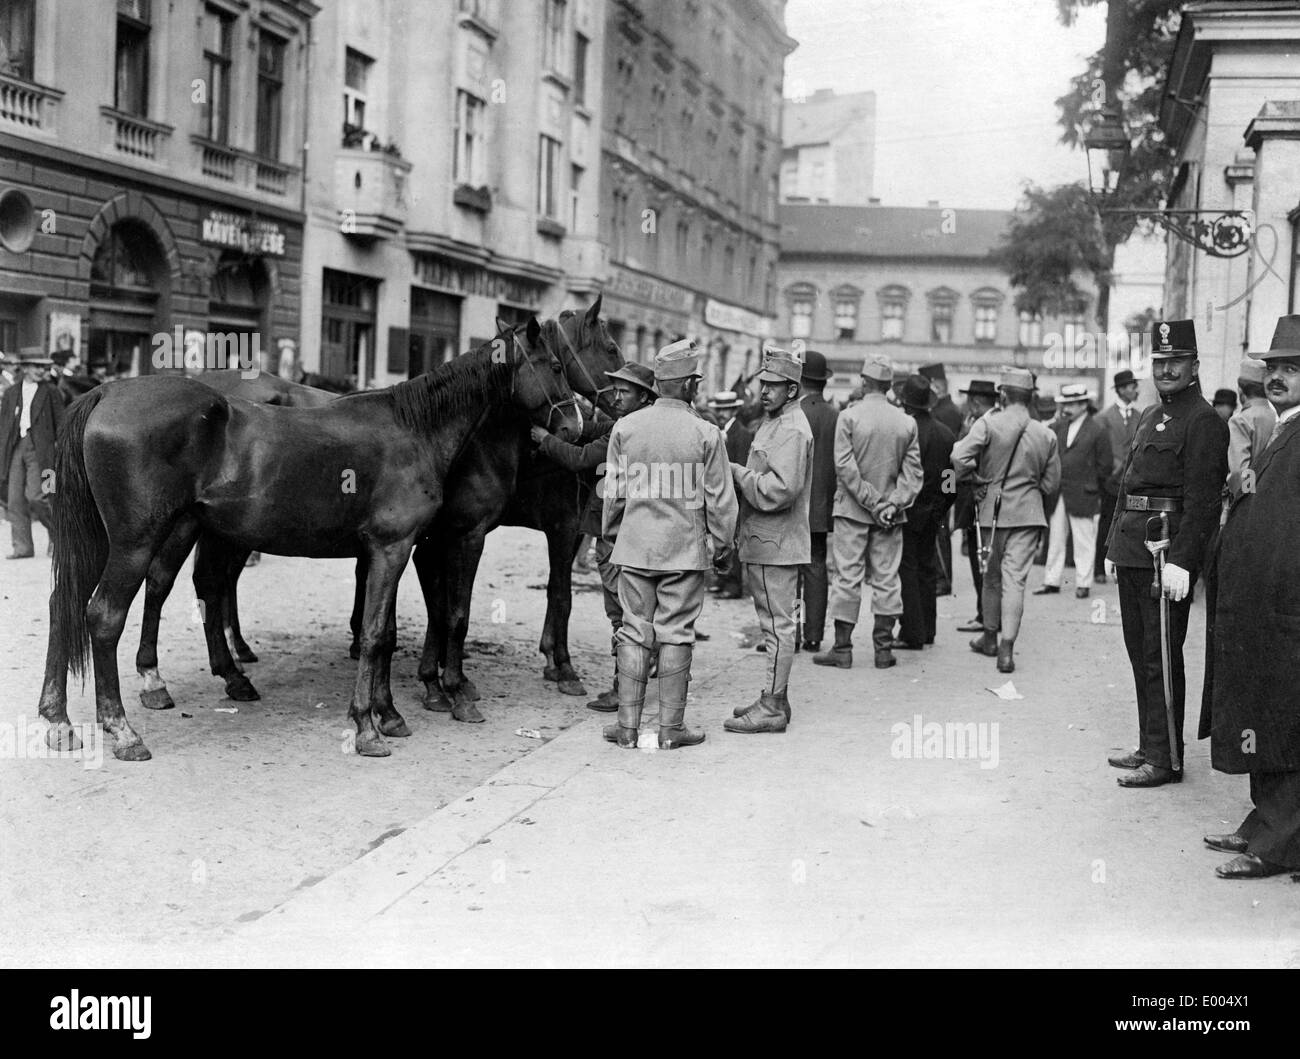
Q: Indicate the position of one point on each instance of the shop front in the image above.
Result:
(733, 338)
(645, 313)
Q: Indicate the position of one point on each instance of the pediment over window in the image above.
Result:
(894, 293)
(943, 296)
(988, 296)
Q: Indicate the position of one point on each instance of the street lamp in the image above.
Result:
(1107, 146)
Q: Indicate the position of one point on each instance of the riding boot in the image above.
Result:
(674, 678)
(986, 643)
(768, 717)
(633, 663)
(783, 697)
(606, 701)
(841, 654)
(1006, 661)
(881, 637)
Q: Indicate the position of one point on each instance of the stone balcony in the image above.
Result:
(136, 138)
(370, 193)
(246, 172)
(27, 107)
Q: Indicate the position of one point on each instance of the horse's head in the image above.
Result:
(540, 386)
(588, 352)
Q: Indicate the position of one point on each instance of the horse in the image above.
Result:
(155, 461)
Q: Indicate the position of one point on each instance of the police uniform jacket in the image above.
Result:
(1035, 469)
(669, 503)
(822, 417)
(1248, 432)
(1180, 451)
(774, 486)
(1085, 465)
(877, 460)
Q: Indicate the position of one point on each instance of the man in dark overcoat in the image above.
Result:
(814, 582)
(1250, 709)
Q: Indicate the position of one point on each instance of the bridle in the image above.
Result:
(555, 406)
(586, 373)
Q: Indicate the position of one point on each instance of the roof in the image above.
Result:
(823, 116)
(890, 231)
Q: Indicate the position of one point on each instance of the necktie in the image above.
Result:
(1277, 429)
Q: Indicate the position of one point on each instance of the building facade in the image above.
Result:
(1232, 112)
(453, 178)
(152, 189)
(918, 285)
(690, 157)
(829, 148)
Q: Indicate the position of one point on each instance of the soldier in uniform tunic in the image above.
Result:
(669, 510)
(1250, 426)
(634, 389)
(1177, 465)
(775, 484)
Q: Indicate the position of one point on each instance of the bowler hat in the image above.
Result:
(933, 372)
(780, 365)
(638, 374)
(1122, 378)
(814, 367)
(879, 367)
(680, 360)
(916, 392)
(981, 388)
(1286, 340)
(1173, 338)
(1228, 397)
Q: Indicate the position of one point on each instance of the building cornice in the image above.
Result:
(422, 242)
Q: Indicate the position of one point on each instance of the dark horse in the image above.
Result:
(144, 461)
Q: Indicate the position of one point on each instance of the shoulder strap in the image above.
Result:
(1012, 458)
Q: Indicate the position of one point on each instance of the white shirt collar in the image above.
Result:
(1294, 410)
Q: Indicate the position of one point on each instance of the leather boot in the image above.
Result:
(881, 637)
(841, 655)
(768, 717)
(986, 643)
(782, 696)
(1006, 663)
(674, 679)
(606, 701)
(633, 664)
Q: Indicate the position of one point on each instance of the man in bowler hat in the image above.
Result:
(725, 405)
(822, 417)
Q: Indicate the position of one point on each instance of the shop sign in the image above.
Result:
(221, 228)
(734, 318)
(462, 279)
(649, 291)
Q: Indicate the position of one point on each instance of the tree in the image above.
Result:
(1051, 240)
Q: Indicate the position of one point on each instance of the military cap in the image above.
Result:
(680, 360)
(780, 365)
(1021, 378)
(879, 367)
(1173, 338)
(638, 374)
(1286, 340)
(1251, 370)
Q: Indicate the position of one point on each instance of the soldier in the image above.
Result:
(634, 389)
(982, 397)
(775, 482)
(725, 406)
(822, 417)
(1176, 466)
(1015, 459)
(1120, 420)
(878, 464)
(1250, 426)
(669, 508)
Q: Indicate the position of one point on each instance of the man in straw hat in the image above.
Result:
(1084, 448)
(775, 483)
(1120, 418)
(1170, 497)
(878, 463)
(1015, 462)
(634, 389)
(31, 417)
(1249, 708)
(669, 510)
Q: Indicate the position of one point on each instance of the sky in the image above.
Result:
(965, 90)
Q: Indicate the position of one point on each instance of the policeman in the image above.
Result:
(634, 389)
(775, 482)
(1176, 466)
(669, 509)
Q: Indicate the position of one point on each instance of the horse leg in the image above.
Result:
(430, 567)
(60, 735)
(562, 544)
(235, 637)
(105, 618)
(390, 721)
(372, 694)
(211, 564)
(157, 587)
(464, 560)
(358, 605)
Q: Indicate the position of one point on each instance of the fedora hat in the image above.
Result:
(916, 392)
(981, 388)
(638, 374)
(35, 357)
(1286, 340)
(1073, 391)
(1173, 338)
(1122, 378)
(814, 367)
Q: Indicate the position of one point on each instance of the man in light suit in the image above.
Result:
(878, 464)
(1120, 421)
(669, 510)
(1015, 457)
(1085, 463)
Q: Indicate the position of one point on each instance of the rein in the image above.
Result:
(599, 391)
(555, 406)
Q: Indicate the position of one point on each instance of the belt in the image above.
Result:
(1152, 503)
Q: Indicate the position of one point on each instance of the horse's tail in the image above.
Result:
(80, 540)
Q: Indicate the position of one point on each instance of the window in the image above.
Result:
(846, 318)
(348, 327)
(579, 68)
(683, 240)
(548, 169)
(1031, 329)
(217, 27)
(986, 323)
(553, 35)
(751, 276)
(467, 147)
(270, 89)
(17, 37)
(618, 234)
(131, 87)
(729, 263)
(575, 195)
(891, 321)
(941, 322)
(706, 256)
(801, 307)
(356, 72)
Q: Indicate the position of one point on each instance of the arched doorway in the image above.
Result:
(237, 307)
(129, 279)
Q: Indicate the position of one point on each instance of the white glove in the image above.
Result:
(1177, 582)
(1111, 572)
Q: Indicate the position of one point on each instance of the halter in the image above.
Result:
(573, 353)
(555, 406)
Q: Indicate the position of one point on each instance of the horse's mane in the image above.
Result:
(460, 385)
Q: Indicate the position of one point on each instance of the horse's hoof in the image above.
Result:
(241, 690)
(435, 699)
(372, 745)
(157, 699)
(132, 752)
(245, 654)
(61, 737)
(394, 726)
(354, 652)
(551, 673)
(469, 690)
(466, 711)
(572, 687)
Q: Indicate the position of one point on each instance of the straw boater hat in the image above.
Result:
(1072, 392)
(724, 399)
(34, 356)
